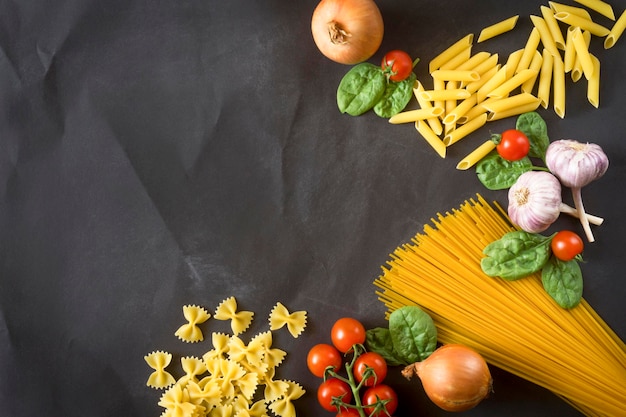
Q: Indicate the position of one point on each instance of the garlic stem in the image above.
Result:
(595, 220)
(582, 216)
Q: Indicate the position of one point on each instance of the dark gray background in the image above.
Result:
(161, 153)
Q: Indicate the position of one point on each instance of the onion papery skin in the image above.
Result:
(347, 31)
(535, 201)
(455, 377)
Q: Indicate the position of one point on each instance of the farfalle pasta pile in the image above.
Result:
(234, 378)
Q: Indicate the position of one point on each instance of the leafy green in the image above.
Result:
(379, 340)
(360, 89)
(413, 334)
(536, 130)
(516, 255)
(496, 173)
(563, 281)
(396, 97)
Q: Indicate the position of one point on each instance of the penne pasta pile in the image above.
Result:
(471, 89)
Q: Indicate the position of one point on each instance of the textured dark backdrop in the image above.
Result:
(161, 153)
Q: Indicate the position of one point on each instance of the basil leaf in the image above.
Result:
(496, 173)
(360, 89)
(536, 129)
(413, 333)
(395, 98)
(379, 340)
(563, 281)
(516, 255)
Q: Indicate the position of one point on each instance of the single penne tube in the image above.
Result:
(593, 84)
(560, 7)
(545, 78)
(515, 111)
(474, 61)
(511, 84)
(599, 6)
(487, 64)
(553, 26)
(456, 75)
(450, 52)
(476, 111)
(582, 52)
(535, 65)
(616, 31)
(451, 103)
(410, 116)
(484, 78)
(437, 86)
(460, 110)
(532, 43)
(497, 29)
(505, 104)
(494, 82)
(558, 86)
(476, 155)
(457, 60)
(583, 23)
(544, 34)
(569, 55)
(431, 138)
(464, 130)
(445, 94)
(434, 122)
(577, 69)
(512, 62)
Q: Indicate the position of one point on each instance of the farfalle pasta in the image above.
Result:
(280, 316)
(232, 378)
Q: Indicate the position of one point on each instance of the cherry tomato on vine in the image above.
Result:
(347, 332)
(566, 245)
(321, 356)
(374, 361)
(330, 389)
(348, 412)
(380, 392)
(398, 65)
(514, 145)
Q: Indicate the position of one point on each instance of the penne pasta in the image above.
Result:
(415, 115)
(535, 65)
(497, 29)
(494, 82)
(545, 78)
(558, 85)
(532, 43)
(450, 52)
(582, 52)
(486, 65)
(455, 75)
(593, 84)
(460, 110)
(461, 132)
(512, 83)
(473, 62)
(516, 101)
(431, 138)
(579, 11)
(514, 111)
(569, 56)
(544, 34)
(599, 6)
(553, 26)
(512, 62)
(433, 122)
(437, 86)
(616, 31)
(484, 78)
(445, 94)
(457, 60)
(477, 111)
(583, 23)
(577, 70)
(476, 155)
(450, 103)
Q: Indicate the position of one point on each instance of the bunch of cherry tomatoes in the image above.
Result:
(353, 378)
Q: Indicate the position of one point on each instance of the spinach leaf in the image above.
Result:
(496, 173)
(563, 281)
(536, 129)
(516, 255)
(395, 98)
(413, 334)
(360, 89)
(379, 340)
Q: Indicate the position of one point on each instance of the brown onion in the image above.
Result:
(455, 377)
(347, 31)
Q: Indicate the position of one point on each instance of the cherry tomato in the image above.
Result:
(374, 361)
(348, 412)
(347, 332)
(321, 356)
(380, 392)
(566, 245)
(332, 388)
(397, 64)
(514, 145)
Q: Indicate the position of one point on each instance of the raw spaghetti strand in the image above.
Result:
(513, 324)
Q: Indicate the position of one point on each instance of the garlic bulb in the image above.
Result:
(535, 201)
(574, 163)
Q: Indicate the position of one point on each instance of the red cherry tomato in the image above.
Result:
(566, 245)
(321, 356)
(372, 360)
(348, 412)
(347, 332)
(514, 145)
(380, 392)
(333, 388)
(397, 64)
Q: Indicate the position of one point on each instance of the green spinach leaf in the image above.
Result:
(413, 334)
(496, 173)
(360, 89)
(563, 281)
(536, 129)
(395, 98)
(379, 340)
(516, 255)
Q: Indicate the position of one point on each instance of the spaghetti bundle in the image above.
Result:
(513, 324)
